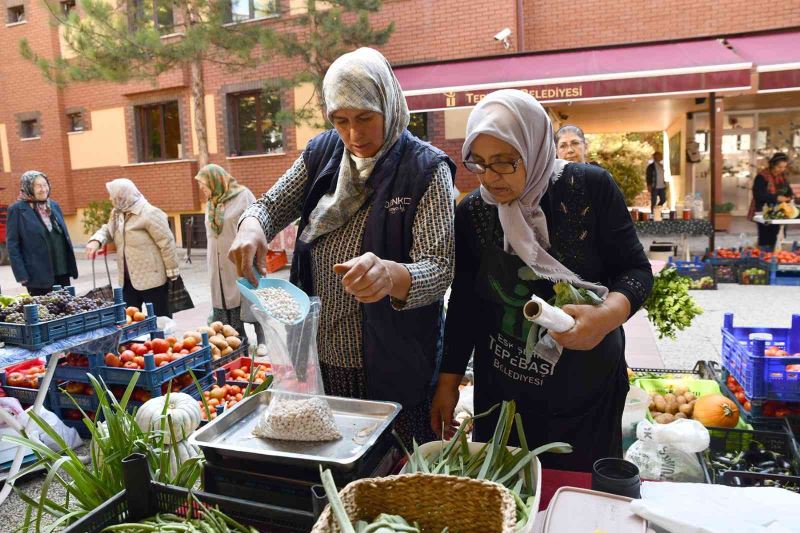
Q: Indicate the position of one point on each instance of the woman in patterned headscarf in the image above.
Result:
(38, 241)
(226, 201)
(375, 240)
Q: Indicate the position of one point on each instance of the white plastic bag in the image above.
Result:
(167, 325)
(667, 452)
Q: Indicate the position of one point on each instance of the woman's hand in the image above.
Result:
(91, 249)
(593, 322)
(250, 243)
(444, 404)
(370, 279)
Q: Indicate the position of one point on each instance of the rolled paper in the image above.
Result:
(547, 316)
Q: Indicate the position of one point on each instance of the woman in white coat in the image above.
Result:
(227, 200)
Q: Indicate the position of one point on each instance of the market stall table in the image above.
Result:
(782, 222)
(99, 340)
(684, 228)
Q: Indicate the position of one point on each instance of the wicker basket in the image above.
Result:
(433, 501)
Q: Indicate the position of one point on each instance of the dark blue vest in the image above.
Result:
(401, 348)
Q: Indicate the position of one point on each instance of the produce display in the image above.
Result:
(769, 408)
(715, 410)
(133, 314)
(223, 338)
(176, 407)
(27, 376)
(756, 460)
(782, 211)
(672, 406)
(306, 419)
(200, 518)
(225, 395)
(243, 370)
(783, 257)
(669, 307)
(164, 351)
(57, 304)
(754, 276)
(733, 253)
(706, 282)
(279, 303)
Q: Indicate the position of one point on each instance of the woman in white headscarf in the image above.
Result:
(375, 240)
(534, 221)
(146, 254)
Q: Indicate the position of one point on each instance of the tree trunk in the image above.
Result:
(190, 18)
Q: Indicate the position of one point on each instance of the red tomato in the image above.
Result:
(139, 360)
(127, 356)
(782, 411)
(732, 387)
(148, 345)
(171, 340)
(177, 347)
(113, 360)
(195, 349)
(131, 365)
(740, 396)
(747, 406)
(769, 409)
(160, 346)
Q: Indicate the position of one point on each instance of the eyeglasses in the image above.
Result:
(501, 167)
(574, 144)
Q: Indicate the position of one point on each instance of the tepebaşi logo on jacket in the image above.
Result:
(397, 204)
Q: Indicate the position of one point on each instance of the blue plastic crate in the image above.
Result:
(761, 377)
(754, 263)
(696, 270)
(57, 398)
(152, 377)
(138, 329)
(34, 334)
(25, 395)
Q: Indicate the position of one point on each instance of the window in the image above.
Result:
(156, 12)
(418, 125)
(241, 10)
(76, 122)
(253, 126)
(15, 14)
(67, 7)
(29, 128)
(159, 132)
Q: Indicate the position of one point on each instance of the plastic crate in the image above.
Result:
(763, 378)
(34, 334)
(137, 329)
(241, 351)
(747, 274)
(736, 440)
(25, 395)
(699, 272)
(83, 431)
(235, 365)
(59, 399)
(144, 498)
(753, 479)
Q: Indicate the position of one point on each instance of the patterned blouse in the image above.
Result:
(432, 254)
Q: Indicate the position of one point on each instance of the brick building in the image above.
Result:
(86, 134)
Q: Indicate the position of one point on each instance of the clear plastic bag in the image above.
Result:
(296, 411)
(667, 452)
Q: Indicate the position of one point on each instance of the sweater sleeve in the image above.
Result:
(282, 203)
(462, 312)
(761, 192)
(623, 256)
(13, 241)
(431, 253)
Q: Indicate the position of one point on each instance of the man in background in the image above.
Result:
(655, 182)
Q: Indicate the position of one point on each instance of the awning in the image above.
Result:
(599, 74)
(777, 57)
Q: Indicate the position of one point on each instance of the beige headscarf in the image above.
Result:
(124, 195)
(358, 80)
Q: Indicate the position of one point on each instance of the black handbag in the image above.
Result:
(179, 299)
(106, 292)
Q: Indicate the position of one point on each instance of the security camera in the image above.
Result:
(503, 36)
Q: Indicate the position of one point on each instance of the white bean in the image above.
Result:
(300, 420)
(279, 303)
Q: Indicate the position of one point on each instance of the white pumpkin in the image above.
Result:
(182, 410)
(185, 452)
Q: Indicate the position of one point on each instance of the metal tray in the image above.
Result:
(361, 423)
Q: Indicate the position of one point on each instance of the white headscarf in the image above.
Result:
(124, 195)
(518, 119)
(357, 80)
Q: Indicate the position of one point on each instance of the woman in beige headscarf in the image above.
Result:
(146, 254)
(375, 240)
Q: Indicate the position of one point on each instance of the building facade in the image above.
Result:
(86, 134)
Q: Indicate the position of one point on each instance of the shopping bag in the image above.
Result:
(179, 299)
(106, 292)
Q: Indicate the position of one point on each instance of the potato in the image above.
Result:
(681, 389)
(669, 396)
(217, 326)
(689, 397)
(228, 331)
(194, 334)
(681, 400)
(218, 341)
(233, 342)
(680, 415)
(661, 404)
(215, 352)
(665, 418)
(205, 329)
(672, 407)
(226, 351)
(652, 406)
(687, 409)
